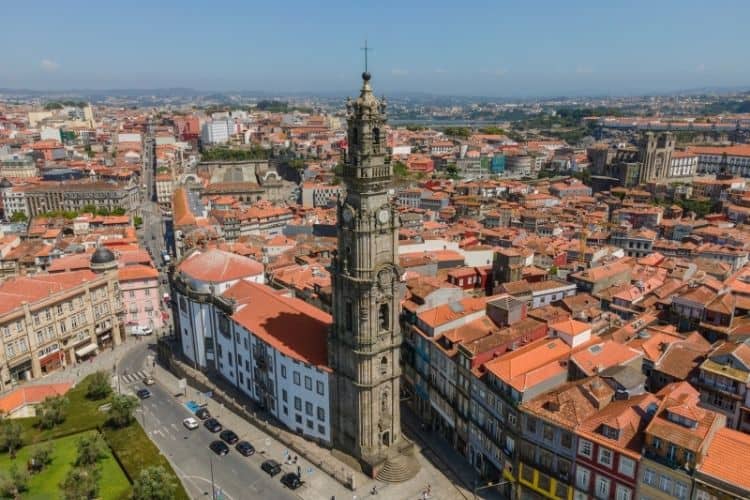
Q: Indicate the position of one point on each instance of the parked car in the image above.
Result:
(141, 331)
(190, 423)
(203, 413)
(149, 380)
(271, 467)
(212, 425)
(219, 447)
(291, 480)
(245, 448)
(229, 436)
(143, 393)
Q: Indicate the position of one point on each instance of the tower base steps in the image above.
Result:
(398, 468)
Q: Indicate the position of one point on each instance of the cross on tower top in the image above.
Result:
(366, 49)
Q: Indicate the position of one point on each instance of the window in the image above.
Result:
(309, 408)
(321, 414)
(656, 443)
(680, 490)
(297, 403)
(320, 388)
(582, 478)
(566, 440)
(602, 487)
(283, 371)
(605, 457)
(531, 425)
(384, 317)
(626, 467)
(296, 378)
(548, 432)
(585, 448)
(308, 383)
(383, 365)
(283, 395)
(321, 429)
(665, 484)
(298, 418)
(285, 410)
(623, 493)
(310, 424)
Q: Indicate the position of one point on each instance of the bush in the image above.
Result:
(99, 386)
(42, 456)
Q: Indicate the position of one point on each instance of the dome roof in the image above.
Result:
(5, 183)
(102, 256)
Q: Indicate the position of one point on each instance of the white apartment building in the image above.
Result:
(217, 131)
(319, 195)
(683, 164)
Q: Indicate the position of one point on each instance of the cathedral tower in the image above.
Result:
(365, 339)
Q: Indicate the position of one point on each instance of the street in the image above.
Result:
(161, 415)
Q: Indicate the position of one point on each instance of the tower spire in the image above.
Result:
(366, 49)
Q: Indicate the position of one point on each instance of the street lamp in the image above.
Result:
(486, 486)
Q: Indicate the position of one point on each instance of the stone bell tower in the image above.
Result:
(365, 340)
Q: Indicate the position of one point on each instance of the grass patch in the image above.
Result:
(114, 484)
(136, 452)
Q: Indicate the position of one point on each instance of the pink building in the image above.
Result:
(140, 295)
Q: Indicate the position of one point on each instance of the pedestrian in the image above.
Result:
(374, 490)
(429, 490)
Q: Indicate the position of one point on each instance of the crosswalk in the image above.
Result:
(133, 377)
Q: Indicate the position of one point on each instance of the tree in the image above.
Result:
(492, 130)
(15, 483)
(462, 132)
(52, 411)
(91, 449)
(117, 211)
(42, 456)
(154, 483)
(452, 171)
(121, 411)
(18, 217)
(81, 483)
(99, 386)
(400, 169)
(10, 437)
(137, 220)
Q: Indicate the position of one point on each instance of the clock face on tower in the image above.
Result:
(347, 214)
(384, 215)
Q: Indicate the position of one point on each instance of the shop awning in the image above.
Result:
(85, 350)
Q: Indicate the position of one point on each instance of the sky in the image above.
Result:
(452, 47)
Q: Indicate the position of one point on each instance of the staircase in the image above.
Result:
(398, 469)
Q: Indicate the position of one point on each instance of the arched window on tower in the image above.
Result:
(383, 365)
(349, 316)
(354, 136)
(384, 317)
(376, 139)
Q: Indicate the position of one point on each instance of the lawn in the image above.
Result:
(133, 447)
(114, 484)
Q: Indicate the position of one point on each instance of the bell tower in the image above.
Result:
(365, 340)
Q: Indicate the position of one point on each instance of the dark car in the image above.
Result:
(143, 393)
(203, 413)
(245, 448)
(212, 425)
(291, 480)
(272, 467)
(219, 447)
(229, 436)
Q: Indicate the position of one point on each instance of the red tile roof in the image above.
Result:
(218, 266)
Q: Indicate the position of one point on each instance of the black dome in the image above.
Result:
(102, 256)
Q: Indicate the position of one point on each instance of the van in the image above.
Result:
(139, 330)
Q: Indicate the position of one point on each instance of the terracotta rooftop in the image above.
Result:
(728, 443)
(218, 266)
(17, 290)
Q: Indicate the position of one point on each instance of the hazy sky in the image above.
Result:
(459, 47)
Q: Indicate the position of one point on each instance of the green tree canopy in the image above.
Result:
(18, 217)
(99, 385)
(14, 483)
(462, 132)
(153, 484)
(91, 449)
(492, 130)
(10, 437)
(81, 484)
(234, 154)
(51, 411)
(121, 411)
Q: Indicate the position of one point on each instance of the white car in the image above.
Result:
(190, 423)
(141, 330)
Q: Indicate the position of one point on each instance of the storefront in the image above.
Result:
(21, 372)
(51, 362)
(104, 340)
(85, 352)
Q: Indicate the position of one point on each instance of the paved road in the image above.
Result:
(161, 415)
